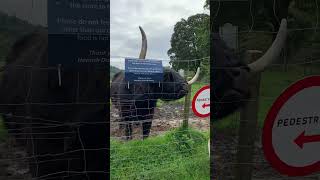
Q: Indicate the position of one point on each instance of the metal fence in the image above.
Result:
(237, 150)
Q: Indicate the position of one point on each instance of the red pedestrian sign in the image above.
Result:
(291, 133)
(201, 102)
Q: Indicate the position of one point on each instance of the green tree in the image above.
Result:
(190, 41)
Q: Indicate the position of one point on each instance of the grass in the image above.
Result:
(273, 82)
(179, 154)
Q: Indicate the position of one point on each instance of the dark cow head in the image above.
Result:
(230, 80)
(173, 87)
(230, 76)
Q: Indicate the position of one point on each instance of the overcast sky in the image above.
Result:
(157, 17)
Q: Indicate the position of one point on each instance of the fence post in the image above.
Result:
(248, 124)
(185, 123)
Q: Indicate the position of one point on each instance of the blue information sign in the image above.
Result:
(143, 70)
(78, 32)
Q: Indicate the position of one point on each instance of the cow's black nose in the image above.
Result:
(183, 92)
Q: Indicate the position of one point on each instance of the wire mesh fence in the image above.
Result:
(226, 132)
(35, 140)
(58, 138)
(293, 65)
(167, 150)
(50, 130)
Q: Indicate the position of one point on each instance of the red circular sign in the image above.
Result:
(269, 137)
(201, 102)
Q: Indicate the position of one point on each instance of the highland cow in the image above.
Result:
(137, 101)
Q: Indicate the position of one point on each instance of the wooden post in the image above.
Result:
(248, 124)
(187, 108)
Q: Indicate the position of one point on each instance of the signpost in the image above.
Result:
(291, 134)
(150, 71)
(201, 102)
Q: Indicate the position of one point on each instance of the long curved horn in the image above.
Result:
(144, 46)
(195, 78)
(273, 52)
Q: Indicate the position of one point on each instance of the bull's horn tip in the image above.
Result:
(144, 46)
(273, 52)
(195, 78)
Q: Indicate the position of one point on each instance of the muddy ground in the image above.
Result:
(165, 118)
